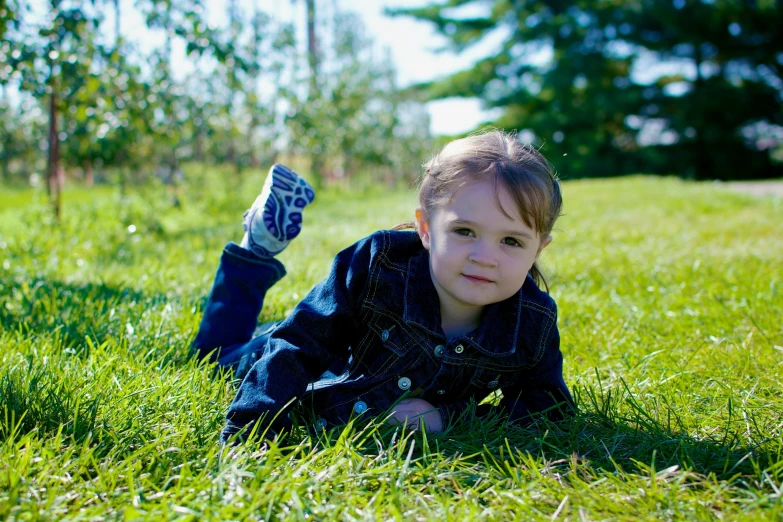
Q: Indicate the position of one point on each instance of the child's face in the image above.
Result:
(478, 255)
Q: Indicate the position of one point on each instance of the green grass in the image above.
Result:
(670, 311)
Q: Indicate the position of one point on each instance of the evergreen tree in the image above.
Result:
(565, 73)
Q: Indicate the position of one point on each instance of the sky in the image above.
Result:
(413, 45)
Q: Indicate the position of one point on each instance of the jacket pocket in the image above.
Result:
(337, 403)
(386, 347)
(490, 376)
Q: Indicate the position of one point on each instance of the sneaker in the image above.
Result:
(276, 215)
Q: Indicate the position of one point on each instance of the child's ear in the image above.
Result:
(423, 228)
(545, 240)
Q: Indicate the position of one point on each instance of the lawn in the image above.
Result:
(670, 297)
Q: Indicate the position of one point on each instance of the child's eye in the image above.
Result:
(510, 241)
(463, 231)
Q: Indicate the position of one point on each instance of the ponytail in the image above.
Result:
(538, 276)
(405, 225)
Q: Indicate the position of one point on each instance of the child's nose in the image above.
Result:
(482, 254)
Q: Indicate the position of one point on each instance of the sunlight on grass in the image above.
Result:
(669, 304)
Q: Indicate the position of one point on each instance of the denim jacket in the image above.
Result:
(378, 315)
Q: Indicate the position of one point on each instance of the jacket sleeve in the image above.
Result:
(537, 389)
(316, 335)
(541, 389)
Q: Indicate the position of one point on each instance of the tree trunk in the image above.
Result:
(89, 175)
(116, 23)
(312, 44)
(702, 154)
(123, 174)
(316, 158)
(197, 116)
(53, 175)
(54, 180)
(6, 147)
(235, 27)
(123, 180)
(171, 122)
(5, 170)
(199, 146)
(250, 135)
(230, 151)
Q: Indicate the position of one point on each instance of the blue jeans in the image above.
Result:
(229, 333)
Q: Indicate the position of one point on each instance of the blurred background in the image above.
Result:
(129, 92)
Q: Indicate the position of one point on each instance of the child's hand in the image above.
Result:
(412, 411)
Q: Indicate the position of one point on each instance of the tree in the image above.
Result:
(113, 110)
(355, 120)
(317, 150)
(583, 101)
(731, 88)
(8, 16)
(268, 48)
(22, 129)
(49, 60)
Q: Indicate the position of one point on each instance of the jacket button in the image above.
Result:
(441, 392)
(439, 350)
(320, 423)
(404, 383)
(459, 348)
(385, 335)
(360, 407)
(493, 384)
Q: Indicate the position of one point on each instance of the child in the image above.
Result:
(414, 322)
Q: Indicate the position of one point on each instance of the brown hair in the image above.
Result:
(498, 156)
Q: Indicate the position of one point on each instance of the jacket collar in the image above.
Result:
(498, 331)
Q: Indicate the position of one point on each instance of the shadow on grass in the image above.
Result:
(43, 400)
(590, 443)
(58, 334)
(43, 308)
(619, 446)
(615, 444)
(34, 398)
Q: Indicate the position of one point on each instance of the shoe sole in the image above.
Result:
(288, 189)
(283, 189)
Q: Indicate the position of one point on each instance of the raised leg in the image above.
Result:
(248, 270)
(236, 299)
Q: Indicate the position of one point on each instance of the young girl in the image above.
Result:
(418, 323)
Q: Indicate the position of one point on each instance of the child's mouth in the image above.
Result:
(477, 279)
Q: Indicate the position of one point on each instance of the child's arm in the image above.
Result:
(541, 388)
(307, 343)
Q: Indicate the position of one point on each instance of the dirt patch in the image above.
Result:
(757, 188)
